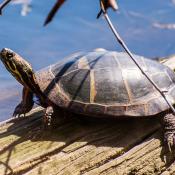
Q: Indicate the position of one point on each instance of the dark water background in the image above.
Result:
(75, 28)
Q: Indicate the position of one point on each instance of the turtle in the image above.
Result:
(98, 83)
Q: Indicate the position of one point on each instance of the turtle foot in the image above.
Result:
(169, 136)
(26, 104)
(54, 117)
(170, 141)
(21, 109)
(47, 119)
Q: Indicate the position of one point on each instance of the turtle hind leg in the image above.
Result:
(26, 103)
(169, 130)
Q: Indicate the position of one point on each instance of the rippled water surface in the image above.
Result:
(140, 23)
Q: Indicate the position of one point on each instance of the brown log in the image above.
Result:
(80, 146)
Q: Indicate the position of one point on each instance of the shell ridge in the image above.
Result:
(124, 81)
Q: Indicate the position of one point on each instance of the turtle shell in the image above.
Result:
(107, 83)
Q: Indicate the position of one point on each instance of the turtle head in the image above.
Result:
(18, 67)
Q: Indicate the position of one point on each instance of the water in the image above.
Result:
(75, 28)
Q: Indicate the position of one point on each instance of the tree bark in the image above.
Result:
(77, 145)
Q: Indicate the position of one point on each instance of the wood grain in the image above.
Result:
(78, 145)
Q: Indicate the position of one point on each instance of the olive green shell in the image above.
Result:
(106, 83)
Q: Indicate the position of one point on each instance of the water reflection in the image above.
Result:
(9, 98)
(75, 28)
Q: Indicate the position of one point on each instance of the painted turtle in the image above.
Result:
(100, 83)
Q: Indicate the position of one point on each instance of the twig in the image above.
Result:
(3, 4)
(121, 42)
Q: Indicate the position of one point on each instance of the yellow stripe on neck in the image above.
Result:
(15, 73)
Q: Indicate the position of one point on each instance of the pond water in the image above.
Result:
(75, 28)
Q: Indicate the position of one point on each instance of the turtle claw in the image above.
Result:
(169, 147)
(47, 119)
(20, 110)
(18, 115)
(170, 140)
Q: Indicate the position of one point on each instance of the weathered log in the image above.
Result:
(79, 146)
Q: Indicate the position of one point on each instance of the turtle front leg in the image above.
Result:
(26, 103)
(169, 130)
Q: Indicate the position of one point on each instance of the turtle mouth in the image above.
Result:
(2, 54)
(6, 54)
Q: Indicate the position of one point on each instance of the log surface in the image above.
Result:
(79, 146)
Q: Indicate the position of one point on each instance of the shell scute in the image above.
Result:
(110, 88)
(77, 85)
(95, 109)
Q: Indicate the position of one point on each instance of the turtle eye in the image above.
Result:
(9, 55)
